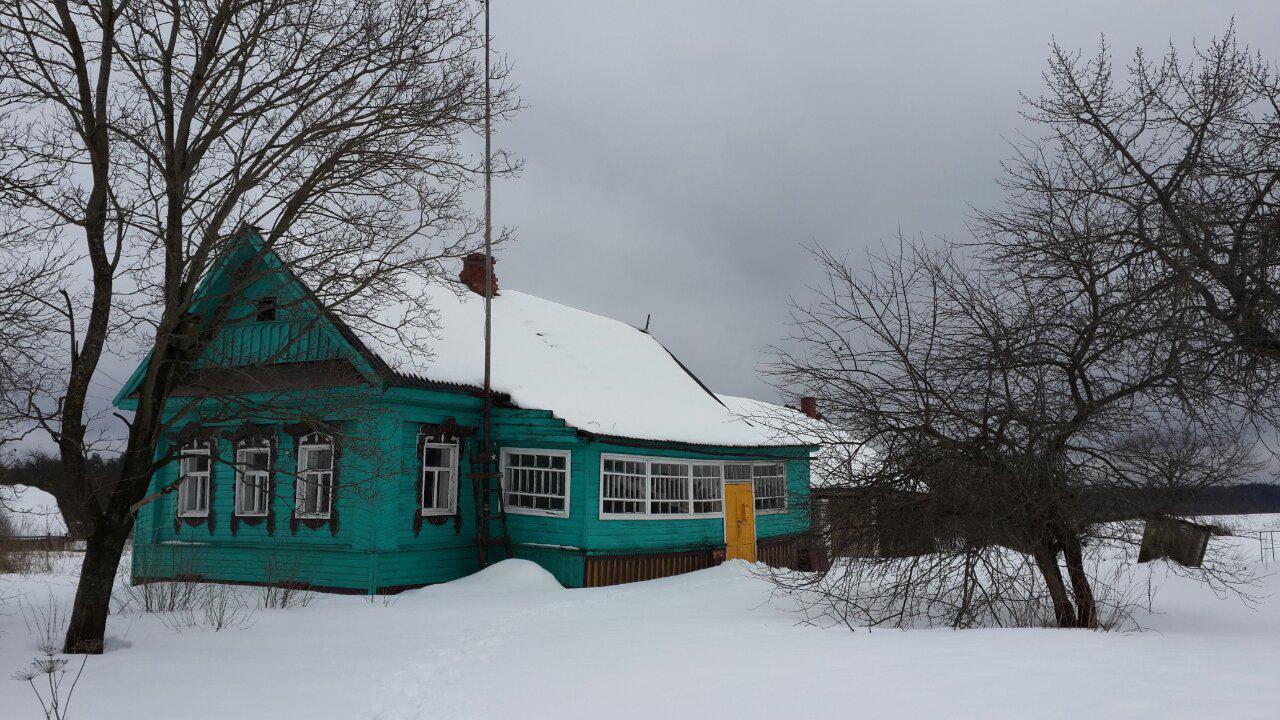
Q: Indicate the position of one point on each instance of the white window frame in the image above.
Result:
(648, 513)
(786, 490)
(568, 478)
(299, 480)
(691, 515)
(452, 506)
(244, 447)
(193, 449)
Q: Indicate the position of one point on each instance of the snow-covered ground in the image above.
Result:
(32, 511)
(510, 643)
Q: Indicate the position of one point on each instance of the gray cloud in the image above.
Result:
(678, 155)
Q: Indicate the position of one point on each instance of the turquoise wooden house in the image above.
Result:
(311, 450)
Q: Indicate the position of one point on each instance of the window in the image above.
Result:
(642, 487)
(624, 489)
(266, 309)
(253, 478)
(770, 487)
(314, 496)
(670, 492)
(707, 490)
(439, 476)
(536, 482)
(194, 466)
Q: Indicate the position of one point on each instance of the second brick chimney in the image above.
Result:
(472, 274)
(809, 406)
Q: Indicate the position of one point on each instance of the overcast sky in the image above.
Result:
(677, 155)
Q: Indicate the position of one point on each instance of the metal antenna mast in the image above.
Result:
(488, 238)
(491, 526)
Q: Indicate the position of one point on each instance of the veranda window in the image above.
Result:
(659, 487)
(536, 482)
(624, 488)
(253, 478)
(194, 464)
(770, 487)
(439, 478)
(708, 488)
(669, 492)
(314, 498)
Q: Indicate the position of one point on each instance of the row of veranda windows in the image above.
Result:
(662, 487)
(534, 481)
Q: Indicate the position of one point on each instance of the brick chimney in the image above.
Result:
(472, 274)
(809, 406)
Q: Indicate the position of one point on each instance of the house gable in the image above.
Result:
(276, 334)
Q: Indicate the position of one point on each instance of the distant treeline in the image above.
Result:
(1242, 499)
(1235, 500)
(44, 471)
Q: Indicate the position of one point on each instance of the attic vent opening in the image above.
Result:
(266, 308)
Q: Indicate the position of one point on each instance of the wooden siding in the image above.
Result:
(601, 570)
(377, 546)
(788, 552)
(282, 341)
(566, 564)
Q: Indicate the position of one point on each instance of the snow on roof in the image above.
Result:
(597, 374)
(840, 455)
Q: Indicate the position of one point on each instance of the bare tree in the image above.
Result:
(151, 131)
(1183, 156)
(1107, 352)
(1001, 413)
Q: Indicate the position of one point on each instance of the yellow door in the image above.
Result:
(739, 522)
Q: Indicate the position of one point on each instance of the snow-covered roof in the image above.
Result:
(840, 455)
(597, 374)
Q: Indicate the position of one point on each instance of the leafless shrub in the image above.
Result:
(225, 606)
(10, 557)
(20, 553)
(181, 594)
(211, 606)
(45, 622)
(283, 590)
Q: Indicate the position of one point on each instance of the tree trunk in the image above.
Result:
(1046, 557)
(87, 628)
(75, 510)
(1086, 607)
(88, 624)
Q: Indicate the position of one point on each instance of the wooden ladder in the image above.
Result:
(491, 523)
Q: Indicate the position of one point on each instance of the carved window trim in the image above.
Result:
(450, 466)
(446, 432)
(197, 447)
(243, 447)
(239, 437)
(299, 431)
(323, 479)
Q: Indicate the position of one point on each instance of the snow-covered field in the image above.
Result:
(510, 643)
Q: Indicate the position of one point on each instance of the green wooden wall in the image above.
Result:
(377, 545)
